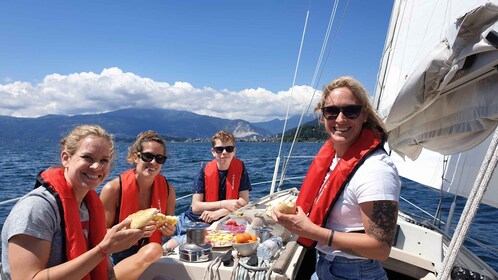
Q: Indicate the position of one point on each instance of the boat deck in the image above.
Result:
(283, 267)
(171, 267)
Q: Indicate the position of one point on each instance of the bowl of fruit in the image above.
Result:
(234, 225)
(245, 244)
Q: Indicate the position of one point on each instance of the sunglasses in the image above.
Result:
(350, 111)
(148, 157)
(220, 149)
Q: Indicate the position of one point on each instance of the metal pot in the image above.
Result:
(195, 253)
(196, 249)
(196, 233)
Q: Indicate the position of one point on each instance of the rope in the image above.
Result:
(480, 185)
(234, 270)
(211, 272)
(243, 271)
(10, 200)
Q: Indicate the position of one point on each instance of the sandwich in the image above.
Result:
(162, 219)
(285, 207)
(142, 217)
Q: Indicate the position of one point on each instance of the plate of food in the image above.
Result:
(234, 225)
(220, 239)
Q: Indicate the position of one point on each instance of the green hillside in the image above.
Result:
(312, 131)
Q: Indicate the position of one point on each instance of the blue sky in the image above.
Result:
(230, 59)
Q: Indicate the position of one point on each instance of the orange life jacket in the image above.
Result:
(75, 240)
(318, 206)
(212, 180)
(129, 198)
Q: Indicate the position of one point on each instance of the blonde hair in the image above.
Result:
(146, 136)
(71, 143)
(223, 136)
(360, 93)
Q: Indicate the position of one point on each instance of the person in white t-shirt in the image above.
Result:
(348, 203)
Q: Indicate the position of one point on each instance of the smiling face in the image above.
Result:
(149, 169)
(89, 166)
(343, 132)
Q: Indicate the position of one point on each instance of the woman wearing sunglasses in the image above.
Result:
(348, 202)
(140, 188)
(58, 230)
(222, 186)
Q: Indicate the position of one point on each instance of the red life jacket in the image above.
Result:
(75, 240)
(129, 198)
(212, 180)
(319, 210)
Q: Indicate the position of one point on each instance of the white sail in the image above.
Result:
(438, 88)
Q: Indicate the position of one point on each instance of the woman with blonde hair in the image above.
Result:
(348, 202)
(58, 230)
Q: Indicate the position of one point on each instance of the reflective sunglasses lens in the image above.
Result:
(147, 157)
(332, 112)
(220, 149)
(351, 112)
(160, 159)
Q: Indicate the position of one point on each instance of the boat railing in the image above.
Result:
(477, 243)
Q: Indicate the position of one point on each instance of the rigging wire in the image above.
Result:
(316, 77)
(277, 161)
(474, 199)
(437, 216)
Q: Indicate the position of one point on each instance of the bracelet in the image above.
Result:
(102, 251)
(331, 238)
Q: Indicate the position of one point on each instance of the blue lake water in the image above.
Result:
(20, 163)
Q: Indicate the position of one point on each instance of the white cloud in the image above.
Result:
(113, 89)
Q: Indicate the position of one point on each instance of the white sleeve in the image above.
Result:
(377, 179)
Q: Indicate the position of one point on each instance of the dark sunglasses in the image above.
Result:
(148, 157)
(350, 111)
(220, 149)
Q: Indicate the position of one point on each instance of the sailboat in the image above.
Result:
(436, 93)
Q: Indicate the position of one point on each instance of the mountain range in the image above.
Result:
(127, 123)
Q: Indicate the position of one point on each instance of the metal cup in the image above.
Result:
(262, 233)
(196, 233)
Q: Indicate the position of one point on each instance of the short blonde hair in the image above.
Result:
(71, 143)
(223, 136)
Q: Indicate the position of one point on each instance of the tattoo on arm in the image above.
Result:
(383, 223)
